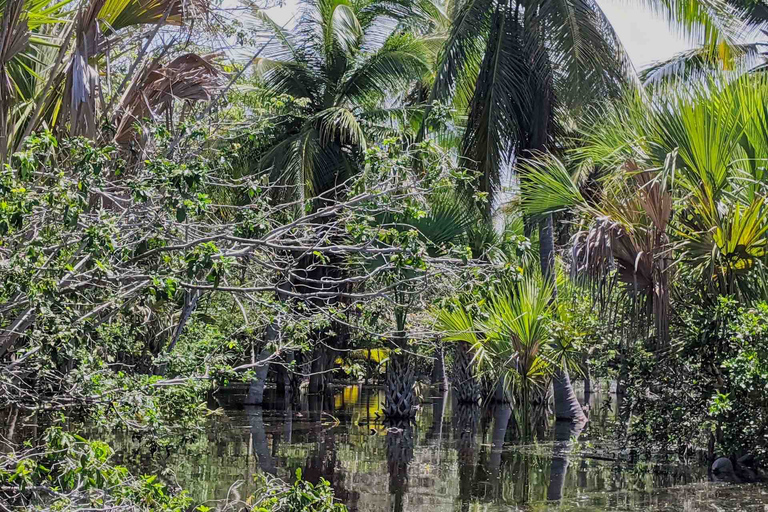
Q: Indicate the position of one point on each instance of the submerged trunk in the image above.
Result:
(466, 388)
(399, 399)
(567, 406)
(565, 433)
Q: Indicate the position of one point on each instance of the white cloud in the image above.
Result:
(646, 37)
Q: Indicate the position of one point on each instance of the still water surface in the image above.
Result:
(452, 458)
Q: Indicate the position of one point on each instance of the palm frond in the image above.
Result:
(340, 124)
(463, 50)
(502, 104)
(698, 63)
(547, 186)
(189, 77)
(401, 60)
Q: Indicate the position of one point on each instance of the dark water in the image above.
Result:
(451, 458)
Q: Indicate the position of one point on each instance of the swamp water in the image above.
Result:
(452, 458)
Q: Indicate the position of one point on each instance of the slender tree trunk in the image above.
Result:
(587, 386)
(318, 376)
(284, 388)
(547, 252)
(190, 304)
(438, 413)
(567, 406)
(256, 388)
(439, 376)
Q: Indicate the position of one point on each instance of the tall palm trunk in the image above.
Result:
(547, 252)
(439, 377)
(466, 387)
(438, 413)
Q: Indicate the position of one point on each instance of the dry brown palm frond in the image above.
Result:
(95, 28)
(14, 37)
(79, 101)
(629, 238)
(190, 77)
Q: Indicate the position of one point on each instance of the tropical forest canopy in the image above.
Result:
(483, 195)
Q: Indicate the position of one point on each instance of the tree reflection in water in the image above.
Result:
(465, 421)
(453, 457)
(399, 456)
(566, 432)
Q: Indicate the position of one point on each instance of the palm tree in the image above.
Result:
(524, 68)
(680, 193)
(345, 61)
(510, 333)
(712, 56)
(682, 181)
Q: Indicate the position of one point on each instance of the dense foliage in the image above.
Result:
(176, 220)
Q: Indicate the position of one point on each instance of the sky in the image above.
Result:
(646, 37)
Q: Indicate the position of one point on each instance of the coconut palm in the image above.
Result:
(516, 64)
(345, 60)
(525, 66)
(712, 56)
